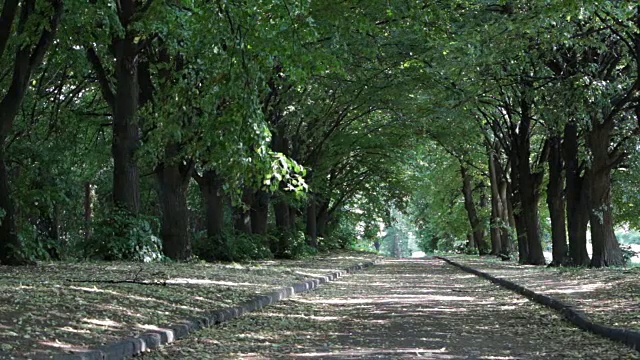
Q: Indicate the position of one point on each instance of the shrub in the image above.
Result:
(231, 246)
(119, 235)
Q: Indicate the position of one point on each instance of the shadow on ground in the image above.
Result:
(400, 309)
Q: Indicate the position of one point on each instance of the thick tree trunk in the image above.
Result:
(260, 212)
(606, 251)
(322, 218)
(476, 226)
(529, 186)
(174, 230)
(556, 204)
(173, 178)
(210, 184)
(516, 210)
(126, 190)
(281, 211)
(577, 198)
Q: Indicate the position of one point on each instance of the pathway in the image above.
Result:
(422, 309)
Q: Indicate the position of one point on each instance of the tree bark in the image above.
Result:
(88, 210)
(10, 253)
(173, 178)
(577, 198)
(260, 212)
(126, 179)
(311, 224)
(242, 213)
(516, 210)
(210, 184)
(556, 204)
(606, 251)
(529, 186)
(474, 221)
(496, 206)
(322, 218)
(27, 58)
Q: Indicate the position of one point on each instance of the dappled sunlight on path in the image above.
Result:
(399, 309)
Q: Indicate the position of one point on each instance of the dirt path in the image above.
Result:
(400, 309)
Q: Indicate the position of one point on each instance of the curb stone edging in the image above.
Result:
(132, 346)
(628, 337)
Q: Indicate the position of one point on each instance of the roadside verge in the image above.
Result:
(630, 338)
(132, 346)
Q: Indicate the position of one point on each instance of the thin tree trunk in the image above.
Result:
(88, 210)
(496, 206)
(311, 223)
(474, 221)
(556, 204)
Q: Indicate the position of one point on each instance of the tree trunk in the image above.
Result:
(28, 57)
(126, 191)
(88, 210)
(496, 206)
(10, 253)
(516, 210)
(606, 251)
(173, 178)
(476, 225)
(577, 198)
(210, 184)
(529, 187)
(293, 214)
(322, 218)
(311, 224)
(508, 222)
(260, 212)
(281, 211)
(242, 213)
(556, 204)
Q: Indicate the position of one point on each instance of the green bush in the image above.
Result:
(231, 246)
(119, 235)
(296, 246)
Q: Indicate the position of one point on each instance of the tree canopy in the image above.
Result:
(231, 129)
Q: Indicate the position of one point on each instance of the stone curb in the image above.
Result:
(133, 346)
(628, 337)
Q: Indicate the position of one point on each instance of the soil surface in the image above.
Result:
(57, 307)
(610, 296)
(422, 309)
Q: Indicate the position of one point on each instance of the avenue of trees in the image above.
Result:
(248, 129)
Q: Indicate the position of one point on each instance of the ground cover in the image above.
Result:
(422, 309)
(57, 307)
(610, 296)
